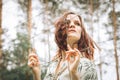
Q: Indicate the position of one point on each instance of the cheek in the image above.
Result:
(79, 31)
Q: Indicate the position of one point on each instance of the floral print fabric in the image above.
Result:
(86, 71)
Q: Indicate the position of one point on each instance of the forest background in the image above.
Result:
(29, 23)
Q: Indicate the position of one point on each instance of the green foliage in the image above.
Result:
(87, 3)
(23, 4)
(117, 18)
(14, 62)
(19, 73)
(43, 72)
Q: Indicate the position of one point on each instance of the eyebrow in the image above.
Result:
(77, 21)
(74, 20)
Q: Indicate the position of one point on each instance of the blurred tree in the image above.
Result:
(91, 18)
(99, 39)
(1, 31)
(88, 8)
(14, 60)
(115, 38)
(113, 32)
(14, 66)
(52, 6)
(29, 19)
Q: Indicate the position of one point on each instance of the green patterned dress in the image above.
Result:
(86, 71)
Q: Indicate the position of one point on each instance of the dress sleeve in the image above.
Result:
(86, 70)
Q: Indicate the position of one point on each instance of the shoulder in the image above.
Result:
(87, 69)
(85, 64)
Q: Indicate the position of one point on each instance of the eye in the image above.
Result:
(67, 21)
(77, 23)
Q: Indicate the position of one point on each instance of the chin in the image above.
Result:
(73, 37)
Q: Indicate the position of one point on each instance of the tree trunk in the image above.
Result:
(100, 64)
(29, 18)
(115, 40)
(1, 31)
(29, 22)
(48, 29)
(91, 19)
(100, 57)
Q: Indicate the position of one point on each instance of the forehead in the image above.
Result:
(72, 17)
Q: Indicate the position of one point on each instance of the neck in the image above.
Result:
(73, 44)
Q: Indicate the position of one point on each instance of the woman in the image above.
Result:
(74, 58)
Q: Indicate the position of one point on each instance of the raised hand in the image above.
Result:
(73, 57)
(33, 61)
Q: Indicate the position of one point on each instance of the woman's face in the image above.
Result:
(74, 28)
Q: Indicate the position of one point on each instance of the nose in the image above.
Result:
(71, 25)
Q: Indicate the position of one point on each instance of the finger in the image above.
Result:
(78, 52)
(70, 51)
(31, 64)
(67, 57)
(37, 63)
(32, 55)
(69, 48)
(76, 49)
(33, 59)
(36, 59)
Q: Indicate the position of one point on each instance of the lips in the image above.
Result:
(71, 30)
